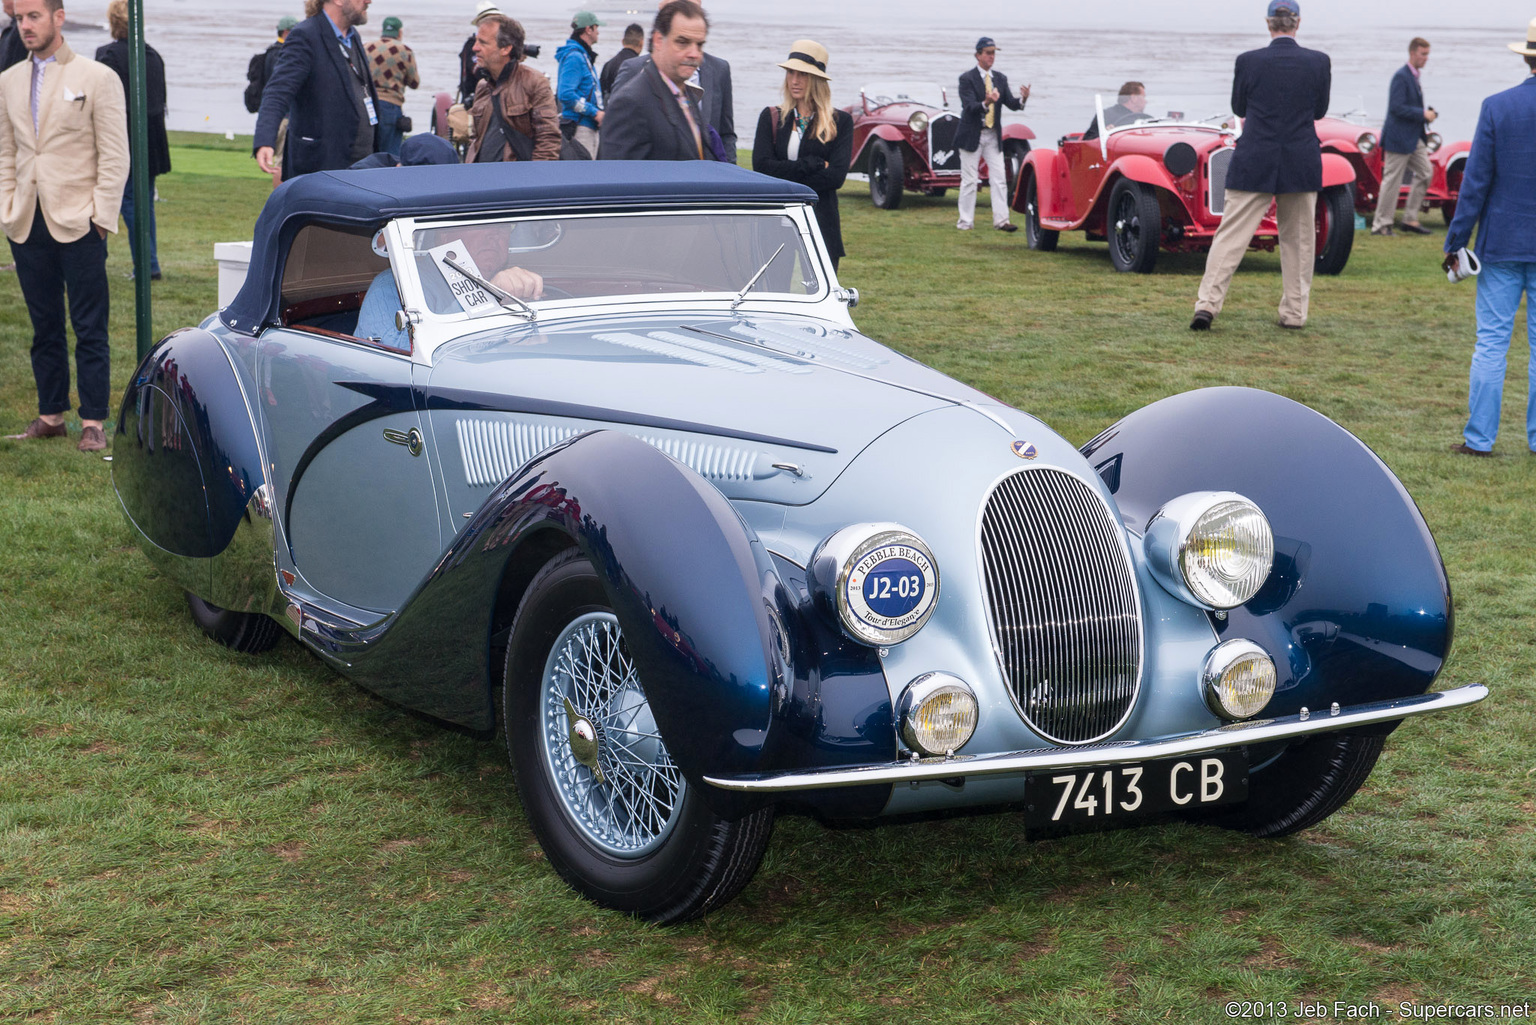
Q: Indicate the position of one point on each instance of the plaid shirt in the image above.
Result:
(394, 69)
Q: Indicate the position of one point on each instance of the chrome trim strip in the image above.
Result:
(1258, 731)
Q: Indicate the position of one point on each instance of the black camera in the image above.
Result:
(531, 49)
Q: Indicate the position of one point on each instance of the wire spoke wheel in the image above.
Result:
(613, 773)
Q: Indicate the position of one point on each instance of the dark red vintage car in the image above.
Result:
(904, 140)
(1160, 184)
(1358, 142)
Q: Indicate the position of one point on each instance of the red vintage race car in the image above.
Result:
(904, 141)
(1354, 139)
(1159, 183)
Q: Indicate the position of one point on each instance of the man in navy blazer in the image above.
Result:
(1498, 196)
(322, 84)
(1279, 91)
(1405, 145)
(656, 114)
(980, 135)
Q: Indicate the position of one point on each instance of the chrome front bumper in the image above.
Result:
(1257, 731)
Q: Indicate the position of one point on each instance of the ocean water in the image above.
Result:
(1065, 52)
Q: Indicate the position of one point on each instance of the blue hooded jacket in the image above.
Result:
(577, 91)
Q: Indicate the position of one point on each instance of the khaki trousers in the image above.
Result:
(1297, 216)
(1392, 167)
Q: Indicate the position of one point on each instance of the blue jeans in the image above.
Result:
(133, 240)
(1499, 287)
(389, 137)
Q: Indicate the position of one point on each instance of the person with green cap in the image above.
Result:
(581, 102)
(393, 67)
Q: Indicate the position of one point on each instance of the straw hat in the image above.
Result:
(1529, 49)
(485, 9)
(808, 56)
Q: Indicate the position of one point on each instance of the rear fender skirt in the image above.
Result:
(188, 471)
(1357, 608)
(1337, 170)
(708, 621)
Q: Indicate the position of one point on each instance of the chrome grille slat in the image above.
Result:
(1062, 605)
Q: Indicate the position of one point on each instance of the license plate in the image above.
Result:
(1104, 795)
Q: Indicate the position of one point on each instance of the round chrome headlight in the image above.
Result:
(1238, 679)
(1210, 548)
(937, 713)
(878, 580)
(918, 122)
(1366, 142)
(1434, 142)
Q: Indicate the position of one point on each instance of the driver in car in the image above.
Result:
(487, 244)
(1130, 107)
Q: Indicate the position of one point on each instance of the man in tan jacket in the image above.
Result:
(63, 165)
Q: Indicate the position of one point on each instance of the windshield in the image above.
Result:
(880, 94)
(611, 255)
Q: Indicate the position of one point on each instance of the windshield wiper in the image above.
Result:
(500, 295)
(741, 296)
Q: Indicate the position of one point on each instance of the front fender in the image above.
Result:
(711, 625)
(1140, 168)
(1017, 131)
(1357, 608)
(1337, 170)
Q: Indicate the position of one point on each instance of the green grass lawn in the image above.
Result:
(189, 835)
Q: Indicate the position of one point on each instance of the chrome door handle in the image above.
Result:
(411, 439)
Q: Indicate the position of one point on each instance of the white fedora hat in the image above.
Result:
(1529, 49)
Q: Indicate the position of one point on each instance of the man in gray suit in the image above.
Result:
(709, 82)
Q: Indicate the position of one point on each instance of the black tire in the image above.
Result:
(1036, 236)
(245, 632)
(1014, 152)
(886, 176)
(618, 854)
(1134, 228)
(1335, 229)
(1453, 176)
(1306, 784)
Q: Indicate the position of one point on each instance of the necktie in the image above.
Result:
(986, 81)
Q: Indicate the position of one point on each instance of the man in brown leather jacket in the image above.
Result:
(522, 97)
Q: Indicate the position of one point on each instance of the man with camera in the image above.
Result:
(1405, 145)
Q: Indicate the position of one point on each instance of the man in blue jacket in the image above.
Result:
(1405, 145)
(322, 85)
(1498, 195)
(581, 102)
(1280, 91)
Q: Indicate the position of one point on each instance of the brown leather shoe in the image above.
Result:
(40, 428)
(92, 439)
(1462, 448)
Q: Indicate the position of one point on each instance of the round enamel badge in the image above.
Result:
(1025, 450)
(890, 589)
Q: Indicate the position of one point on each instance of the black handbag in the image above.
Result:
(498, 135)
(403, 124)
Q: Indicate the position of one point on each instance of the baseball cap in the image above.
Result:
(584, 19)
(287, 22)
(984, 42)
(391, 28)
(1279, 7)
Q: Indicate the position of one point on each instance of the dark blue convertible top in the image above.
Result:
(367, 198)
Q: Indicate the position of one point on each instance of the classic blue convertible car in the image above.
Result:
(594, 456)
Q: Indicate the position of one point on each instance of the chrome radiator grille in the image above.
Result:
(1216, 176)
(1063, 606)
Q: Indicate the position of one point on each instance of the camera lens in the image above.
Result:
(531, 49)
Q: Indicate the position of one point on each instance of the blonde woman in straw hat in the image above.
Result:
(1498, 197)
(805, 139)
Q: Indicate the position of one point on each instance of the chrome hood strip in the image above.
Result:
(1113, 753)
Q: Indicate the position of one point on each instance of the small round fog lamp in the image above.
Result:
(1434, 142)
(938, 714)
(1238, 679)
(918, 122)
